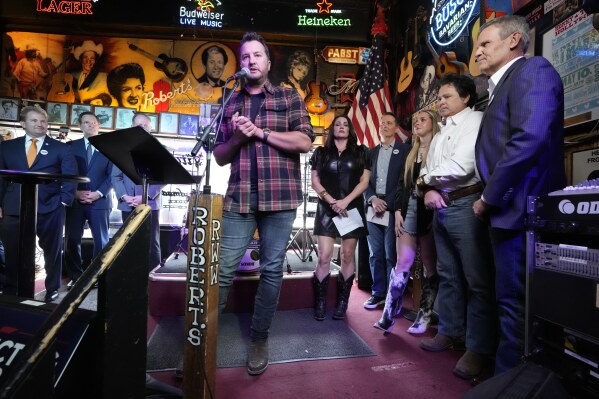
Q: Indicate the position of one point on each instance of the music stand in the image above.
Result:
(141, 157)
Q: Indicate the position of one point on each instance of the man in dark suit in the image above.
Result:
(93, 200)
(388, 162)
(36, 152)
(519, 153)
(129, 195)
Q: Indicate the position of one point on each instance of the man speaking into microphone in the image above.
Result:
(264, 130)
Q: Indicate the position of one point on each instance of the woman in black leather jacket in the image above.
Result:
(340, 174)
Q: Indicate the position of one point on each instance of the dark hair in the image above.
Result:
(329, 148)
(463, 84)
(218, 49)
(389, 113)
(117, 77)
(253, 36)
(81, 115)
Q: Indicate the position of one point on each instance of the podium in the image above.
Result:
(141, 157)
(28, 221)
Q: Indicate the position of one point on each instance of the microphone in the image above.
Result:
(244, 72)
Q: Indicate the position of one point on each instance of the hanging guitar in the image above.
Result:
(61, 88)
(406, 70)
(447, 62)
(315, 101)
(174, 68)
(482, 18)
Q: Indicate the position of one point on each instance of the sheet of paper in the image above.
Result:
(349, 223)
(373, 218)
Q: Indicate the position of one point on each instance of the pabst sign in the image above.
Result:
(449, 18)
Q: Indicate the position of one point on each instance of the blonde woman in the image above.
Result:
(413, 228)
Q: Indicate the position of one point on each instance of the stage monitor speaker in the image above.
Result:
(527, 381)
(590, 6)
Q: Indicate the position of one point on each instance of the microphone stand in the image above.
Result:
(208, 142)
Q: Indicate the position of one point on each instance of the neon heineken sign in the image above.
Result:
(323, 16)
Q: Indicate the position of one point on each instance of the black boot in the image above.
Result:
(343, 290)
(430, 286)
(394, 300)
(320, 296)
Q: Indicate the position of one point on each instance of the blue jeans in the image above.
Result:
(509, 248)
(274, 229)
(383, 255)
(466, 296)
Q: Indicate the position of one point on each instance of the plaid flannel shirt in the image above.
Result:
(279, 172)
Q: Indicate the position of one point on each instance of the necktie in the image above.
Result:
(90, 153)
(32, 152)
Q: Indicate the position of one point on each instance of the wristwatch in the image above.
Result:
(266, 132)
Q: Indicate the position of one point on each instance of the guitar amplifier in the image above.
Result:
(563, 286)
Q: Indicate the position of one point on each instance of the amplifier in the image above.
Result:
(574, 209)
(563, 285)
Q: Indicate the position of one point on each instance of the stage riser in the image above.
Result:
(167, 293)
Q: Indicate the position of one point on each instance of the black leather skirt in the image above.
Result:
(324, 225)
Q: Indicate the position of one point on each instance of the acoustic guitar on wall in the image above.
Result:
(61, 88)
(406, 69)
(174, 68)
(482, 18)
(447, 62)
(315, 100)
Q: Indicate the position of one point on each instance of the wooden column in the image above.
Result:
(201, 312)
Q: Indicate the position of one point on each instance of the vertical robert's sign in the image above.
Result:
(201, 305)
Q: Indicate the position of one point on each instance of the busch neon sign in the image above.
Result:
(449, 18)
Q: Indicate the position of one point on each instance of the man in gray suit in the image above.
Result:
(129, 196)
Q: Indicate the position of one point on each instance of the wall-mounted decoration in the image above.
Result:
(169, 123)
(105, 117)
(188, 126)
(124, 118)
(76, 110)
(571, 46)
(10, 109)
(58, 113)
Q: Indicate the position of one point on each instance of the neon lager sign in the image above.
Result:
(315, 17)
(65, 7)
(449, 18)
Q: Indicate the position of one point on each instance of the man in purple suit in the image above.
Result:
(519, 153)
(36, 152)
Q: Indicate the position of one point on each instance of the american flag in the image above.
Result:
(373, 98)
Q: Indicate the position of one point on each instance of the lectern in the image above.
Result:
(28, 221)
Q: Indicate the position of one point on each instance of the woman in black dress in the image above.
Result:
(340, 174)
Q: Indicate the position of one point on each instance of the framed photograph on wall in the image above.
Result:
(76, 110)
(124, 118)
(169, 123)
(105, 117)
(585, 165)
(154, 120)
(10, 109)
(188, 125)
(58, 113)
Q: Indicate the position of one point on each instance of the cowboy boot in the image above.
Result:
(343, 290)
(320, 296)
(430, 286)
(393, 301)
